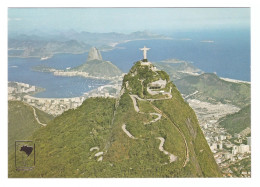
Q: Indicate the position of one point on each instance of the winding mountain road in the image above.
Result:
(159, 115)
(127, 132)
(36, 117)
(178, 128)
(134, 97)
(172, 156)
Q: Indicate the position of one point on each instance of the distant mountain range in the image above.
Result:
(42, 48)
(43, 45)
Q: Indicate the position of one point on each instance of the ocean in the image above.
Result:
(226, 53)
(20, 70)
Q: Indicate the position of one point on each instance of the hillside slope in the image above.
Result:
(177, 69)
(213, 89)
(22, 122)
(187, 152)
(97, 67)
(63, 146)
(29, 46)
(237, 122)
(150, 131)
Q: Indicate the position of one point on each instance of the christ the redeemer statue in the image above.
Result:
(145, 49)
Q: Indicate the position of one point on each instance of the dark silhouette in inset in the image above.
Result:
(28, 150)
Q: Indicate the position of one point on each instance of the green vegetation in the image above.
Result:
(163, 75)
(31, 46)
(176, 68)
(142, 154)
(99, 68)
(242, 165)
(138, 79)
(145, 106)
(22, 123)
(133, 82)
(235, 123)
(201, 161)
(213, 89)
(140, 76)
(180, 113)
(63, 147)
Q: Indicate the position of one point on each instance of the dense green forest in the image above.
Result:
(107, 137)
(22, 123)
(213, 89)
(235, 123)
(99, 68)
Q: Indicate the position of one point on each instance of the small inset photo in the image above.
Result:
(24, 155)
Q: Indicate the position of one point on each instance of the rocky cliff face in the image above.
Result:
(94, 54)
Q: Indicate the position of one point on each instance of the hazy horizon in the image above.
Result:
(126, 20)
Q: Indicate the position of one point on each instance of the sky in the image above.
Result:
(126, 20)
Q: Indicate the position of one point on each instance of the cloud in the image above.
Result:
(207, 41)
(14, 19)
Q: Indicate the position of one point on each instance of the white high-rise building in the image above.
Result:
(228, 156)
(222, 137)
(213, 146)
(243, 148)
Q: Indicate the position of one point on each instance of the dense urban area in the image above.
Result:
(232, 153)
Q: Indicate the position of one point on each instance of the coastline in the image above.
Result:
(234, 80)
(83, 74)
(56, 106)
(57, 53)
(112, 45)
(63, 73)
